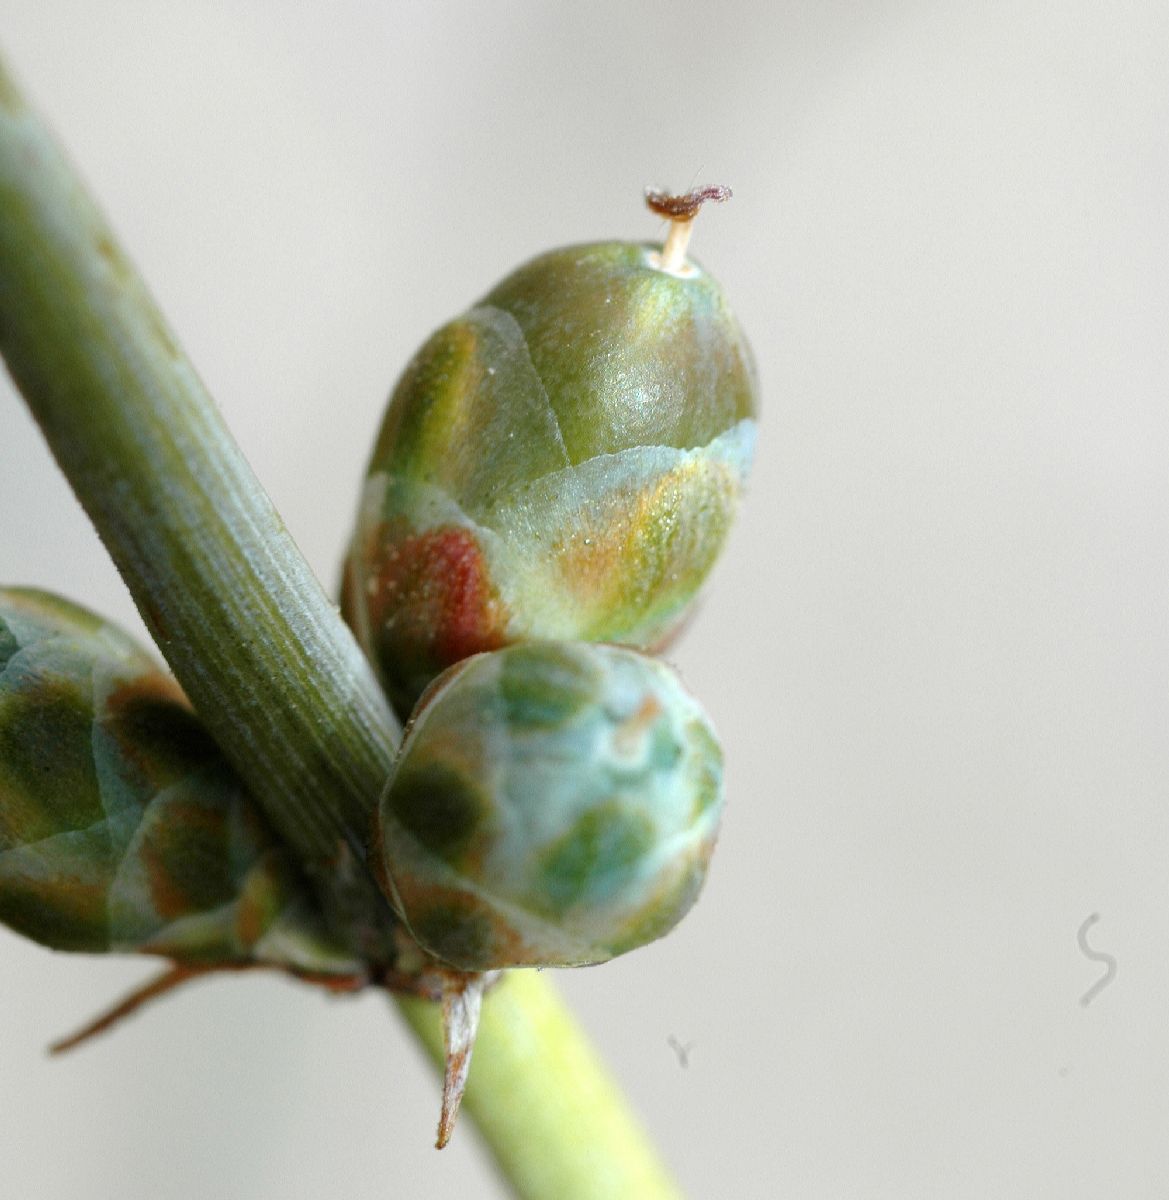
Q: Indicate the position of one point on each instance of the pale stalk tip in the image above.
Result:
(674, 249)
(680, 211)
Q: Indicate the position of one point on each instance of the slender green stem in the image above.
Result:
(253, 639)
(531, 1052)
(230, 601)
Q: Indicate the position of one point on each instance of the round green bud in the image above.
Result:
(554, 804)
(561, 462)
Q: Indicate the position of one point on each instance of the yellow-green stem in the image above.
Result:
(532, 1052)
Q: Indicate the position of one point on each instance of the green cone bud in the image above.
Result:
(562, 462)
(554, 804)
(122, 827)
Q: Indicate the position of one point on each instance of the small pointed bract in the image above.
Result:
(462, 1002)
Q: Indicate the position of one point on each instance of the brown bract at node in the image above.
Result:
(178, 974)
(681, 211)
(430, 985)
(461, 994)
(462, 999)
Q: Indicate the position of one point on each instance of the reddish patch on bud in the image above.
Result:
(431, 603)
(439, 579)
(470, 617)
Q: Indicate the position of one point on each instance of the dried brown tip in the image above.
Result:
(170, 979)
(686, 206)
(681, 211)
(178, 974)
(462, 1000)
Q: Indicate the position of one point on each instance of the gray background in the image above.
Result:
(936, 648)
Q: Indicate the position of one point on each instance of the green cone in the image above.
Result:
(562, 462)
(122, 827)
(554, 804)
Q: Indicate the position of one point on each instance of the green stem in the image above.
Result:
(531, 1051)
(253, 639)
(230, 601)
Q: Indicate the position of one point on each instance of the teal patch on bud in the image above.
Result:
(439, 806)
(554, 804)
(542, 686)
(562, 462)
(596, 859)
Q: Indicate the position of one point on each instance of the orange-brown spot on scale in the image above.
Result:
(461, 927)
(435, 586)
(252, 916)
(259, 898)
(166, 894)
(450, 923)
(629, 734)
(145, 689)
(470, 607)
(620, 566)
(156, 731)
(185, 859)
(590, 562)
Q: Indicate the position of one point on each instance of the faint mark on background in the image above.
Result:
(1096, 956)
(683, 1052)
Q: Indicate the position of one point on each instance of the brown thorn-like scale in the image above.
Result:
(462, 1000)
(178, 974)
(175, 976)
